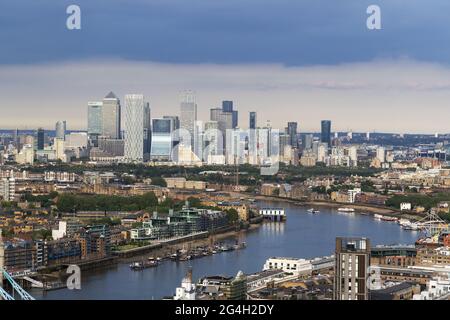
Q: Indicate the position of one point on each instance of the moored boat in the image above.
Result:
(388, 218)
(344, 209)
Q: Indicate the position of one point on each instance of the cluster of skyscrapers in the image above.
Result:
(187, 140)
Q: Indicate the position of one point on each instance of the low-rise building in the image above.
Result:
(399, 291)
(289, 265)
(437, 288)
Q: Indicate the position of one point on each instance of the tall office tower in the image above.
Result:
(162, 142)
(111, 117)
(95, 117)
(325, 135)
(224, 119)
(188, 115)
(351, 268)
(252, 120)
(227, 106)
(199, 139)
(60, 129)
(353, 155)
(285, 140)
(40, 139)
(322, 152)
(176, 121)
(307, 141)
(17, 139)
(292, 131)
(213, 142)
(137, 128)
(381, 154)
(225, 124)
(236, 147)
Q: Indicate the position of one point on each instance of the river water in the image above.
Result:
(303, 235)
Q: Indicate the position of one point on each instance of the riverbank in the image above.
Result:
(170, 248)
(370, 209)
(303, 235)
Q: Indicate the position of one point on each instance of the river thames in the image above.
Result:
(303, 235)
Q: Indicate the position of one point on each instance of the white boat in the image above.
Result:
(346, 209)
(378, 216)
(411, 226)
(387, 218)
(312, 210)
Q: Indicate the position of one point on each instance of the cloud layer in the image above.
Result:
(383, 95)
(305, 32)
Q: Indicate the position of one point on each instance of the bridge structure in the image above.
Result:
(432, 224)
(4, 275)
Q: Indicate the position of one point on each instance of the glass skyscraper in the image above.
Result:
(162, 143)
(111, 117)
(188, 112)
(252, 120)
(325, 135)
(227, 107)
(95, 120)
(292, 131)
(40, 139)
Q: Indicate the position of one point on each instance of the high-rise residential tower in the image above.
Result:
(137, 128)
(351, 268)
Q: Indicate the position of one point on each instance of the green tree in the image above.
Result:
(232, 215)
(159, 181)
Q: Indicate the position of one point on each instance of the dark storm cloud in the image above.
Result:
(299, 32)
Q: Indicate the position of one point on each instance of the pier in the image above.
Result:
(273, 214)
